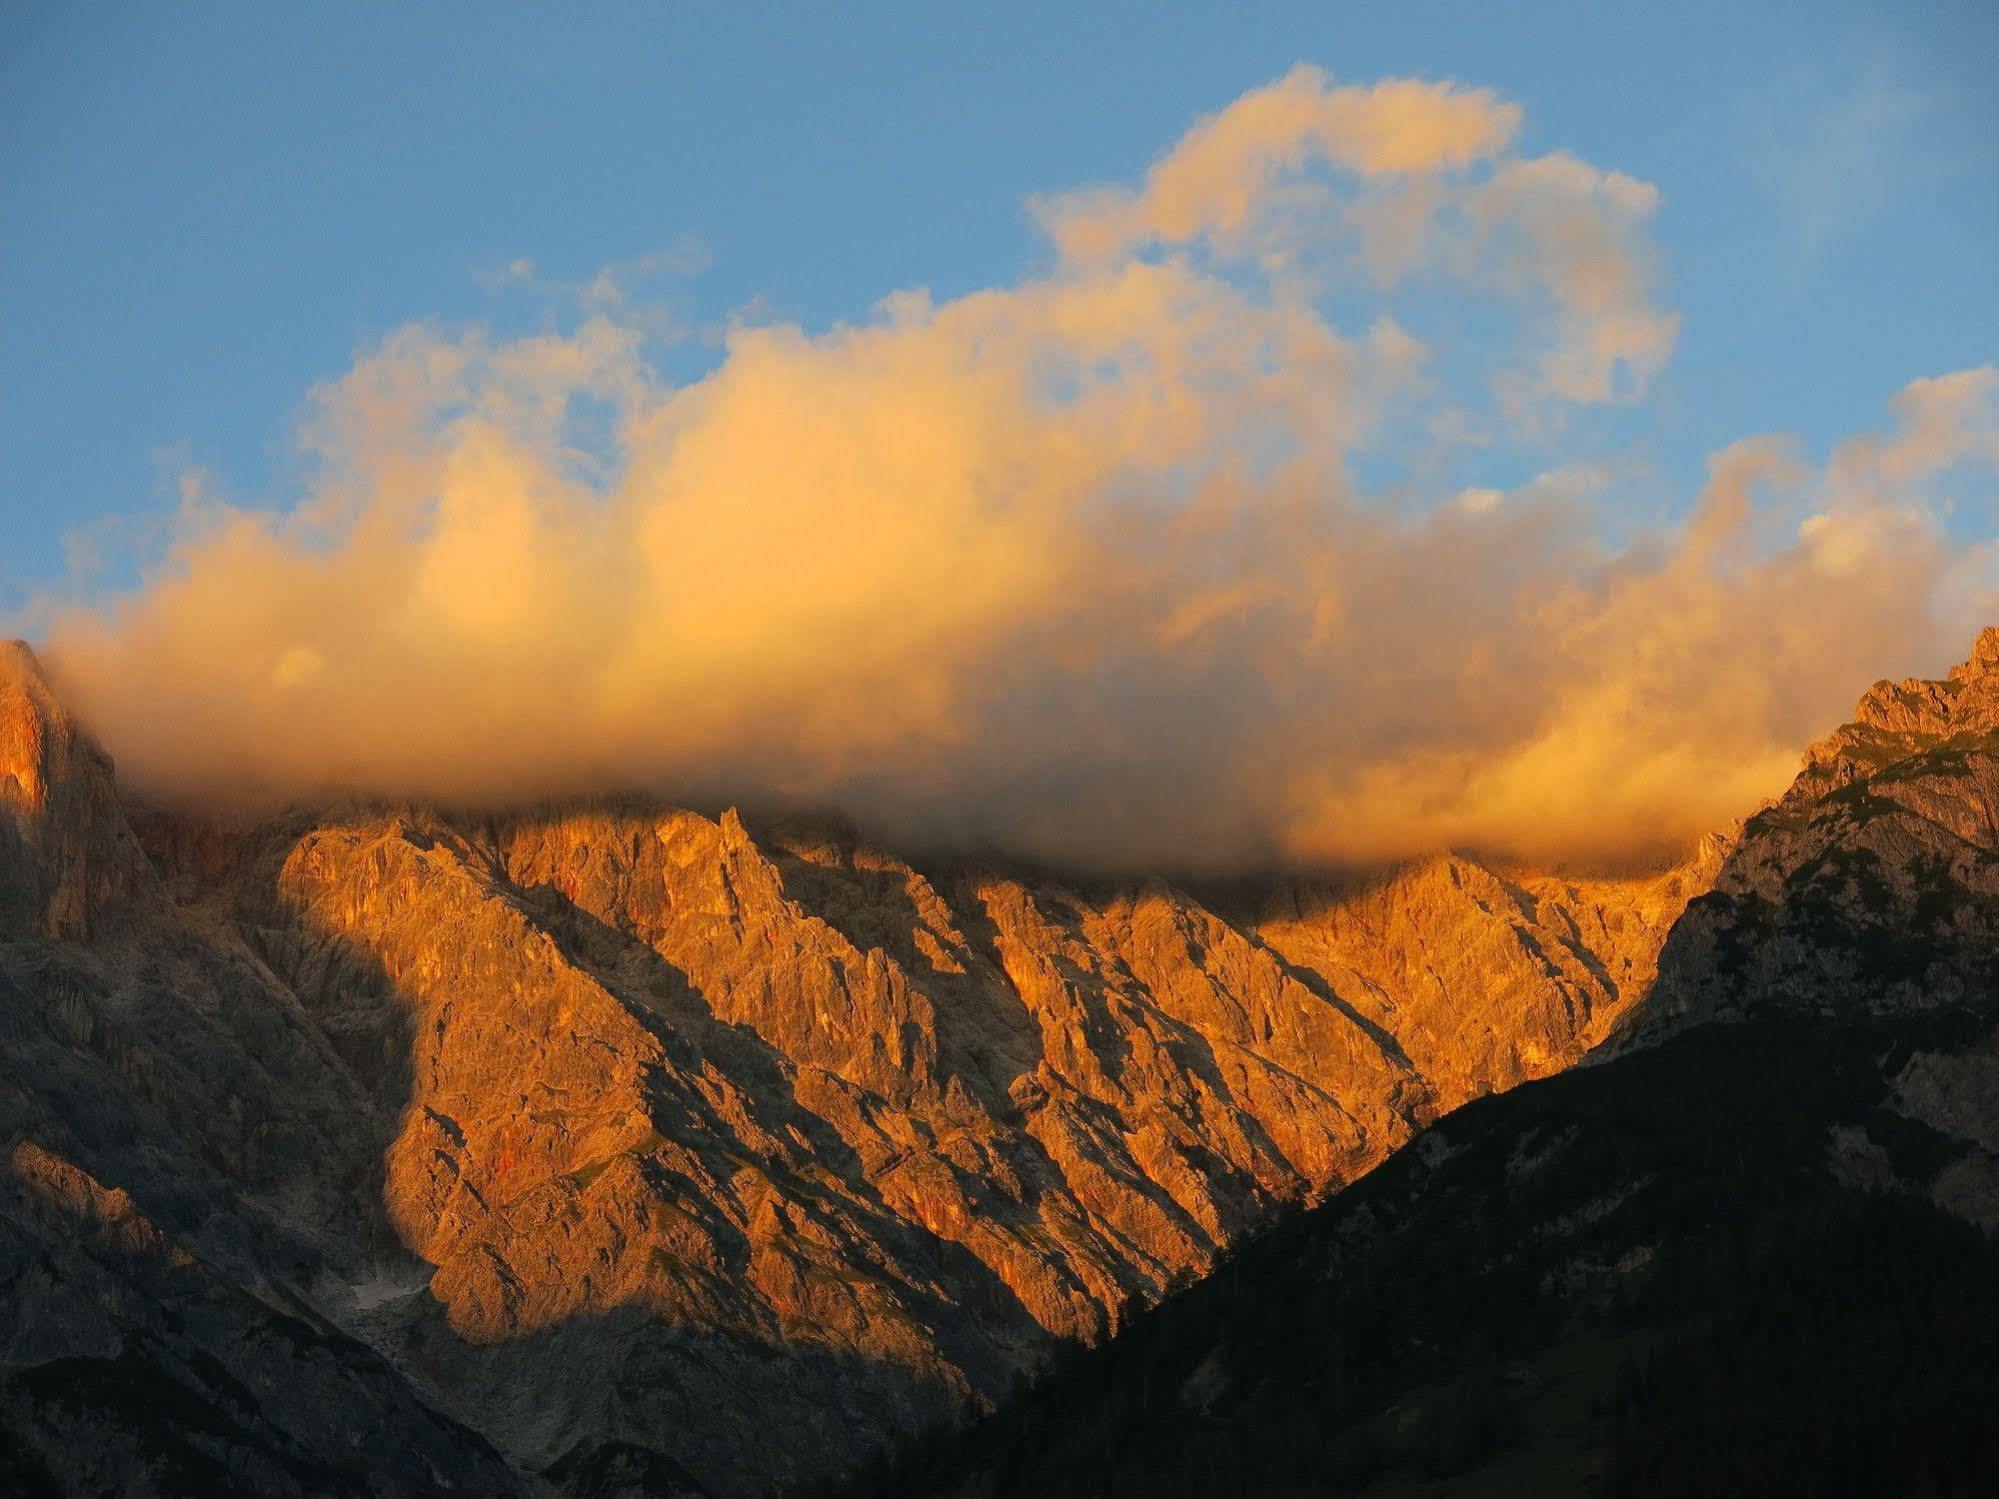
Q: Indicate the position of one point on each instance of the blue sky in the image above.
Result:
(206, 209)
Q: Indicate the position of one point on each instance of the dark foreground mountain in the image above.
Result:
(619, 1150)
(1746, 1251)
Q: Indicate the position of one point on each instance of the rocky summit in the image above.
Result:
(1872, 883)
(620, 1149)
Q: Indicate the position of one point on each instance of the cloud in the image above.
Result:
(1562, 227)
(1942, 422)
(618, 288)
(1217, 178)
(517, 272)
(1411, 178)
(1077, 568)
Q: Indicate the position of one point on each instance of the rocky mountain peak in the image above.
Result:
(1896, 719)
(1983, 665)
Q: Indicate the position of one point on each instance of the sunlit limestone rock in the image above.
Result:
(757, 1148)
(1487, 977)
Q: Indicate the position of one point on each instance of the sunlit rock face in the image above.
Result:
(665, 1153)
(1487, 977)
(65, 850)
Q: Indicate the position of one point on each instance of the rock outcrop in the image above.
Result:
(1872, 884)
(1487, 977)
(672, 1154)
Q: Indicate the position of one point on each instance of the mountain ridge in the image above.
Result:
(709, 1154)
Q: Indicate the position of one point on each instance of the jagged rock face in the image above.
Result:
(1873, 883)
(65, 850)
(1488, 977)
(671, 1154)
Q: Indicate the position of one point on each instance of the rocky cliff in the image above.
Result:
(621, 1148)
(65, 850)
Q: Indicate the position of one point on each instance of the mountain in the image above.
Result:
(1747, 1247)
(620, 1149)
(172, 1124)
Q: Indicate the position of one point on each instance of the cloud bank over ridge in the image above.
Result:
(1085, 567)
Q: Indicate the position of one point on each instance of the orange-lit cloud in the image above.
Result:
(1073, 568)
(1575, 233)
(1218, 179)
(1420, 175)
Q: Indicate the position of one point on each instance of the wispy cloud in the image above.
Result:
(630, 288)
(1838, 154)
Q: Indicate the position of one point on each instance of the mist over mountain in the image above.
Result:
(618, 1149)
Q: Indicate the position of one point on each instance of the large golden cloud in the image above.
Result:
(1075, 567)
